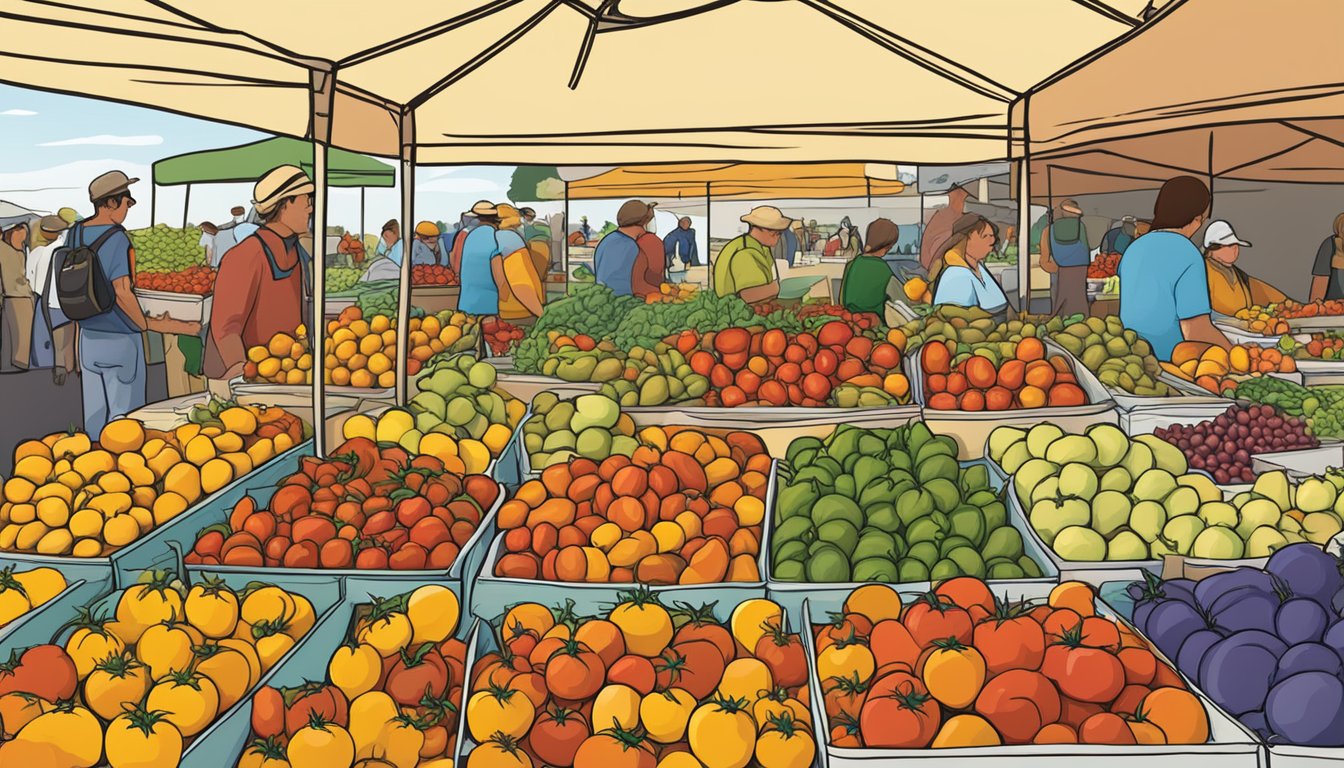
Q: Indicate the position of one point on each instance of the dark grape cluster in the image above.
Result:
(1223, 446)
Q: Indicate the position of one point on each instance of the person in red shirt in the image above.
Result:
(263, 280)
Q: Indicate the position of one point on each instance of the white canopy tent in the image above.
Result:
(567, 82)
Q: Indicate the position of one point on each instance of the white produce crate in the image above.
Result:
(187, 307)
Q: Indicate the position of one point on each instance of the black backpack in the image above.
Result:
(82, 288)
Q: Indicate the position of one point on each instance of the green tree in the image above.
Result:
(523, 187)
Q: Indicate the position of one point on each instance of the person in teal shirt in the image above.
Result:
(1164, 294)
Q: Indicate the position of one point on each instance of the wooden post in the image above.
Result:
(152, 187)
(709, 237)
(362, 230)
(1210, 173)
(564, 231)
(1024, 233)
(186, 202)
(407, 232)
(317, 329)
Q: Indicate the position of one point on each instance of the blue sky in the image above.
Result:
(51, 145)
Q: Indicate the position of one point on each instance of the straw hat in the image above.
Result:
(279, 183)
(767, 217)
(484, 208)
(427, 228)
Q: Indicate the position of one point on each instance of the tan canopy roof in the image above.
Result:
(766, 181)
(576, 81)
(1237, 89)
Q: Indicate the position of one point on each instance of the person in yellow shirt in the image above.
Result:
(1231, 289)
(522, 299)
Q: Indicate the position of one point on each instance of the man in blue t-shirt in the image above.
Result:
(482, 273)
(1164, 285)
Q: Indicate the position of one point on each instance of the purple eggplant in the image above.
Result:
(1170, 623)
(1256, 722)
(1334, 637)
(1307, 709)
(1309, 657)
(1246, 608)
(1193, 650)
(1308, 571)
(1210, 591)
(1237, 676)
(1301, 620)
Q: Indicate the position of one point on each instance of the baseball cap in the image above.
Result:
(633, 212)
(109, 184)
(1220, 233)
(427, 229)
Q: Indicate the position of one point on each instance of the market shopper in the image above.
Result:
(1167, 299)
(467, 223)
(1230, 288)
(482, 273)
(263, 282)
(939, 229)
(1065, 254)
(963, 279)
(1117, 238)
(863, 288)
(1327, 273)
(53, 333)
(111, 344)
(427, 247)
(679, 245)
(745, 266)
(16, 293)
(522, 297)
(629, 260)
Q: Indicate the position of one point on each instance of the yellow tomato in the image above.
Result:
(213, 609)
(785, 745)
(41, 584)
(665, 714)
(92, 643)
(500, 752)
(264, 753)
(722, 734)
(846, 661)
(13, 600)
(303, 618)
(271, 647)
(143, 605)
(502, 710)
(745, 679)
(776, 704)
(433, 611)
(954, 674)
(166, 648)
(679, 760)
(646, 625)
(399, 743)
(139, 738)
(617, 703)
(117, 680)
(321, 745)
(368, 714)
(191, 701)
(749, 618)
(248, 652)
(267, 604)
(71, 738)
(19, 709)
(388, 634)
(228, 669)
(355, 669)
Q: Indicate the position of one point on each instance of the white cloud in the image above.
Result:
(459, 185)
(107, 140)
(18, 113)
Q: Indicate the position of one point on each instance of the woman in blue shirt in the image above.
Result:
(964, 280)
(1164, 285)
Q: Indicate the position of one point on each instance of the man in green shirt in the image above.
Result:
(745, 266)
(864, 286)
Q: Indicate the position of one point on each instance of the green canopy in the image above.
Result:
(247, 163)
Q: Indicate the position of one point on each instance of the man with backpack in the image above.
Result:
(1066, 254)
(95, 277)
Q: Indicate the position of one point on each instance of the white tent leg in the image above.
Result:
(1024, 234)
(404, 289)
(317, 331)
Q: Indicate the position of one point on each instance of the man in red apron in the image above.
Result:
(262, 282)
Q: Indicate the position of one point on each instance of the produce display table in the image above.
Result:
(435, 298)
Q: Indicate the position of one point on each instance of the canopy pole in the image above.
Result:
(709, 237)
(186, 202)
(564, 231)
(868, 190)
(362, 230)
(1024, 233)
(152, 187)
(407, 229)
(1210, 173)
(317, 332)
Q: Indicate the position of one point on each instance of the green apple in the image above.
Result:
(1050, 516)
(1181, 532)
(1003, 438)
(1147, 520)
(1030, 474)
(1046, 489)
(1040, 437)
(1202, 484)
(1110, 512)
(1257, 513)
(1320, 527)
(1078, 480)
(1016, 455)
(1275, 487)
(1264, 541)
(1126, 546)
(1078, 543)
(1112, 444)
(1218, 513)
(1072, 448)
(1218, 543)
(1154, 485)
(1116, 479)
(1316, 495)
(1182, 501)
(1165, 455)
(1138, 460)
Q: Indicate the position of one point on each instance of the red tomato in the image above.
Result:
(557, 734)
(901, 716)
(574, 672)
(415, 675)
(934, 617)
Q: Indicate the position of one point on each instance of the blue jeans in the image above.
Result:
(113, 376)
